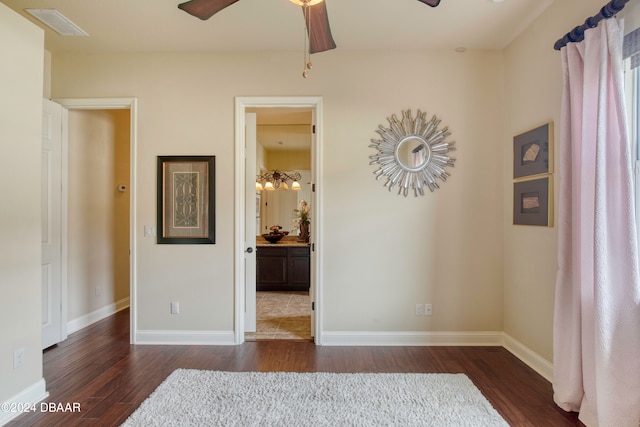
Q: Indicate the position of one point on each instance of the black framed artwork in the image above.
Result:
(186, 199)
(533, 152)
(533, 202)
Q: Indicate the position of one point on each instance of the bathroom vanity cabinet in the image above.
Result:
(283, 268)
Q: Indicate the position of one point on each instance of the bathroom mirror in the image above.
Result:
(412, 153)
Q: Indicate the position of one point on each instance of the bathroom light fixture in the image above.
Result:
(269, 186)
(276, 179)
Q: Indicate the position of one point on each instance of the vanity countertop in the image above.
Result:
(261, 243)
(286, 241)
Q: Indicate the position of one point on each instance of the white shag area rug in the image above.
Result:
(213, 398)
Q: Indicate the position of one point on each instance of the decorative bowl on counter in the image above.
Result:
(273, 237)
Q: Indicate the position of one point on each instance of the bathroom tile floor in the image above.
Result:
(282, 315)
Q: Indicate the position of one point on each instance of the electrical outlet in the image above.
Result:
(18, 358)
(419, 310)
(428, 310)
(175, 307)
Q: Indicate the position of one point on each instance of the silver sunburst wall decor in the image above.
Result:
(412, 153)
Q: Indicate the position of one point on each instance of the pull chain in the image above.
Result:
(307, 42)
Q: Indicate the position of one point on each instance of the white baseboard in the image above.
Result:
(26, 398)
(411, 338)
(529, 357)
(522, 352)
(95, 316)
(185, 337)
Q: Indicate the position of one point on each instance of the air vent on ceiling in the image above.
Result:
(57, 21)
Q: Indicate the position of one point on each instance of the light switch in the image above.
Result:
(149, 231)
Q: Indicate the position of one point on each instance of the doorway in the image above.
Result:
(283, 141)
(122, 251)
(247, 203)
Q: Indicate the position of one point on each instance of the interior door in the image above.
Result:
(313, 199)
(250, 224)
(53, 330)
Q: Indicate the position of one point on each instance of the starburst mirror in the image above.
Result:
(412, 153)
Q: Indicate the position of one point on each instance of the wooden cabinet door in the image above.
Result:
(283, 268)
(299, 267)
(271, 267)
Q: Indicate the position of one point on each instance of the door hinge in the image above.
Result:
(313, 188)
(313, 247)
(313, 305)
(313, 129)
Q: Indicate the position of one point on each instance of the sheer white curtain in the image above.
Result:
(597, 309)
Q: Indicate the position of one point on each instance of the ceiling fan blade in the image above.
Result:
(317, 21)
(432, 3)
(205, 9)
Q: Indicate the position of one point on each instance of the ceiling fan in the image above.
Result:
(314, 12)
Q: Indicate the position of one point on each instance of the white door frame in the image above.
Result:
(106, 104)
(241, 104)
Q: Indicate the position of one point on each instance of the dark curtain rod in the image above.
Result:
(577, 34)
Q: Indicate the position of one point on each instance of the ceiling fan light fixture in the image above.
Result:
(309, 2)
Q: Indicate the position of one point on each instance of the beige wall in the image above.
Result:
(382, 253)
(288, 160)
(21, 53)
(46, 89)
(533, 93)
(631, 16)
(98, 214)
(455, 249)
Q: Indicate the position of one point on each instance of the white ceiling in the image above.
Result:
(254, 25)
(258, 25)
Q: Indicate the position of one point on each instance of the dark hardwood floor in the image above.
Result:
(98, 368)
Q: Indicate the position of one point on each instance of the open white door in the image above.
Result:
(314, 232)
(53, 330)
(244, 262)
(250, 224)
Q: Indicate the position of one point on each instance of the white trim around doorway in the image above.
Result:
(107, 104)
(241, 104)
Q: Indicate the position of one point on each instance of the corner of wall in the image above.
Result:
(20, 230)
(46, 88)
(533, 83)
